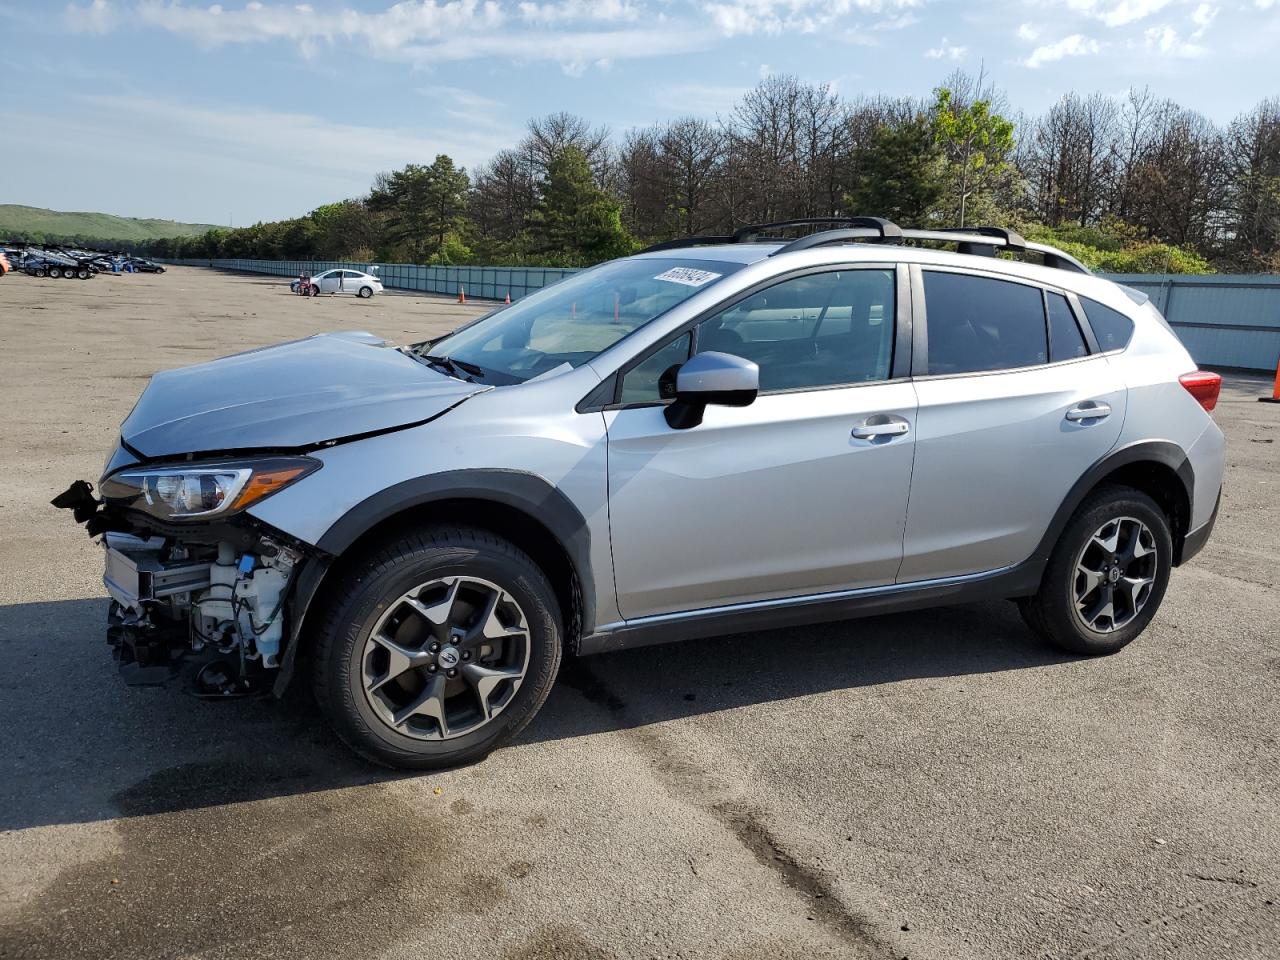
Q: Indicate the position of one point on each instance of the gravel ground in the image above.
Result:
(930, 785)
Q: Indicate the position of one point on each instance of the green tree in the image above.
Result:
(574, 221)
(977, 144)
(899, 174)
(423, 206)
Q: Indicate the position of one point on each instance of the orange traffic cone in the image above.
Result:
(462, 294)
(508, 300)
(1275, 390)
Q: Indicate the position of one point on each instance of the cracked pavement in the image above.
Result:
(928, 785)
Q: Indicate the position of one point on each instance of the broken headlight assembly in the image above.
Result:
(203, 491)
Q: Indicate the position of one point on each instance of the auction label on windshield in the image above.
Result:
(688, 276)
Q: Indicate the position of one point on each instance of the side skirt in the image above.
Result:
(1020, 580)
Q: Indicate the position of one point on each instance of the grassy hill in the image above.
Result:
(36, 223)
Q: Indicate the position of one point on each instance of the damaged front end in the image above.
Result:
(192, 580)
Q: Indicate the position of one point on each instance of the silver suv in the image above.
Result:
(716, 435)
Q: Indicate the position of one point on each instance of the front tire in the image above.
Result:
(437, 648)
(1107, 574)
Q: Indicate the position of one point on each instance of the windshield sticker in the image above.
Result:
(688, 276)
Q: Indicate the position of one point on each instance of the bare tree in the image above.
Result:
(502, 196)
(1179, 183)
(1253, 200)
(1070, 159)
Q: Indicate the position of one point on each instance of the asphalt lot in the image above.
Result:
(929, 785)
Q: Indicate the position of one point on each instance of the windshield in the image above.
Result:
(571, 322)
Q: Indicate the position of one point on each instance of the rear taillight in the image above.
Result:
(1204, 386)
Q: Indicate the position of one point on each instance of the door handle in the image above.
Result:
(1089, 411)
(874, 431)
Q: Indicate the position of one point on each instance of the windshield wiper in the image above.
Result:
(456, 368)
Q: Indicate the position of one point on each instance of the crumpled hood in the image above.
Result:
(298, 394)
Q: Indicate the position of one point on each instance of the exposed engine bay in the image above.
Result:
(223, 600)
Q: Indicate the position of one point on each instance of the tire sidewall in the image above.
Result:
(366, 293)
(369, 599)
(1110, 506)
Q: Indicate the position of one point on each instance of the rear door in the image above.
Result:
(792, 495)
(1013, 409)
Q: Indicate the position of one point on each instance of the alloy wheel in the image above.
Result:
(1115, 574)
(446, 658)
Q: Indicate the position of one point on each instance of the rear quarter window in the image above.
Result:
(1112, 328)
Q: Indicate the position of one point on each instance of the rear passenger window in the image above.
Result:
(1112, 328)
(1065, 340)
(977, 323)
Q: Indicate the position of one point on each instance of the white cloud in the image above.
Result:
(395, 27)
(425, 32)
(607, 11)
(1117, 13)
(772, 17)
(1028, 32)
(946, 51)
(1164, 40)
(94, 17)
(1203, 16)
(900, 22)
(1076, 45)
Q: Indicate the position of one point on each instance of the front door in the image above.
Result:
(1013, 410)
(804, 491)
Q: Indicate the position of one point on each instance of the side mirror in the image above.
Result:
(707, 378)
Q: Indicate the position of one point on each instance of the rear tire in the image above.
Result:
(55, 272)
(366, 293)
(1107, 574)
(437, 648)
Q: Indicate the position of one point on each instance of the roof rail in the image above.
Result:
(705, 240)
(1012, 241)
(980, 241)
(885, 229)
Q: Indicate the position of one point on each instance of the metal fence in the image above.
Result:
(1225, 320)
(487, 283)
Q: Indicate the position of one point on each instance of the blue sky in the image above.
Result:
(237, 112)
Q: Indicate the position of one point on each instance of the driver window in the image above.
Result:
(819, 330)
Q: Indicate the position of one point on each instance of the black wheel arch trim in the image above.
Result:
(529, 493)
(1142, 451)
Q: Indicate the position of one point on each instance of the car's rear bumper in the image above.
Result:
(1194, 541)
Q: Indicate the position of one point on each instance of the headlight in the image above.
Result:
(198, 491)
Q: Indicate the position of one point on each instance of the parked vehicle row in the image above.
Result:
(58, 262)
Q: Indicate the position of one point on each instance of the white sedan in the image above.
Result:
(344, 281)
